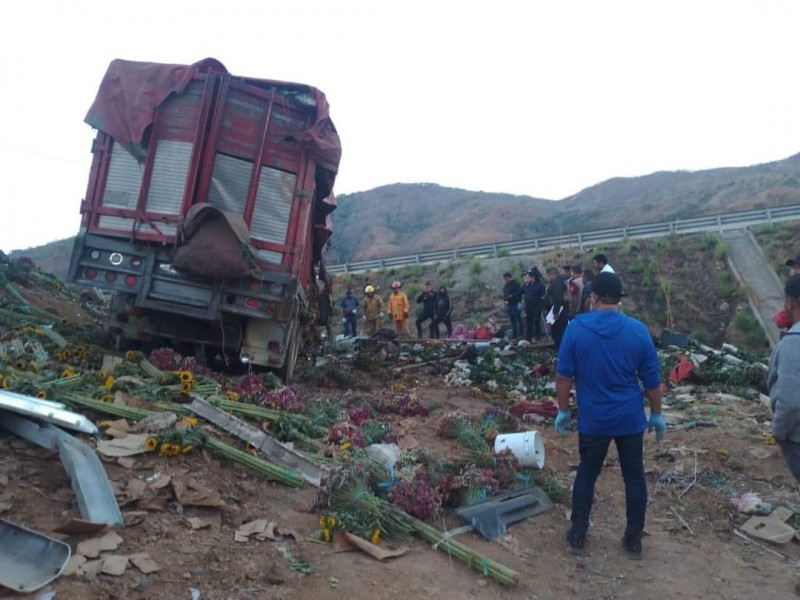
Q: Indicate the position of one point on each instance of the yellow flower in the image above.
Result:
(185, 376)
(59, 357)
(104, 424)
(151, 444)
(186, 388)
(233, 397)
(5, 383)
(376, 537)
(109, 382)
(176, 449)
(187, 449)
(322, 521)
(189, 421)
(41, 394)
(108, 399)
(129, 355)
(331, 521)
(66, 353)
(67, 373)
(165, 449)
(326, 535)
(345, 446)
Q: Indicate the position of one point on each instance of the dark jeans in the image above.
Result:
(515, 318)
(420, 321)
(435, 327)
(791, 452)
(533, 320)
(557, 329)
(593, 450)
(350, 325)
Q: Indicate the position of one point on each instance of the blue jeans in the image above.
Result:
(593, 450)
(350, 325)
(516, 319)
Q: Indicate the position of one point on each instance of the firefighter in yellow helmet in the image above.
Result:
(373, 310)
(399, 309)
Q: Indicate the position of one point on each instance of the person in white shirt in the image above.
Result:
(601, 264)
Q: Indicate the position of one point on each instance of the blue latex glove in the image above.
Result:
(657, 422)
(563, 419)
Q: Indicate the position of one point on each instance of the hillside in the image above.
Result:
(410, 218)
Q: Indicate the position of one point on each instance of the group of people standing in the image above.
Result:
(566, 294)
(435, 308)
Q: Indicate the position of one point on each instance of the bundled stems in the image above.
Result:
(263, 467)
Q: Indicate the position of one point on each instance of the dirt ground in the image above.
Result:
(691, 550)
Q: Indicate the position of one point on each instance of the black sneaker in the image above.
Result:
(576, 542)
(633, 548)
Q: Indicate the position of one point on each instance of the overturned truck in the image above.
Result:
(207, 209)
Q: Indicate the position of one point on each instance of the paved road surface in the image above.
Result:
(764, 288)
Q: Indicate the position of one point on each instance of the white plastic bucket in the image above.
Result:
(527, 446)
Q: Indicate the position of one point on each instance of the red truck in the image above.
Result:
(207, 209)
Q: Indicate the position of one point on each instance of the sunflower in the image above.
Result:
(345, 446)
(326, 535)
(67, 373)
(66, 353)
(189, 421)
(5, 383)
(376, 536)
(165, 449)
(175, 450)
(233, 397)
(129, 355)
(186, 388)
(108, 398)
(104, 424)
(41, 394)
(109, 382)
(322, 521)
(185, 376)
(331, 521)
(59, 357)
(186, 449)
(151, 444)
(20, 365)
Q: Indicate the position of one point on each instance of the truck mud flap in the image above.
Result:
(90, 483)
(29, 560)
(492, 517)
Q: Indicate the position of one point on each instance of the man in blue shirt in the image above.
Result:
(607, 355)
(349, 306)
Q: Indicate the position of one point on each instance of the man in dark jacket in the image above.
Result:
(428, 300)
(512, 296)
(533, 296)
(557, 304)
(349, 306)
(441, 314)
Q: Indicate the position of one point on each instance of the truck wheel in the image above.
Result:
(286, 372)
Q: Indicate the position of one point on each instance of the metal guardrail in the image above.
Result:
(717, 223)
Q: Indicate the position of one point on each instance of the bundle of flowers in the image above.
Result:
(165, 359)
(178, 441)
(287, 400)
(345, 434)
(359, 415)
(453, 424)
(474, 484)
(499, 420)
(404, 404)
(417, 498)
(376, 432)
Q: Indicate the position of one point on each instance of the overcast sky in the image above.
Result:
(529, 97)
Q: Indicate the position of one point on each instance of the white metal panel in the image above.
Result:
(124, 179)
(270, 256)
(229, 183)
(273, 207)
(168, 182)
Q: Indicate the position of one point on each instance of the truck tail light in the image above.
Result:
(111, 277)
(130, 281)
(252, 303)
(90, 273)
(273, 346)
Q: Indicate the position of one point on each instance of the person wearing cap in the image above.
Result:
(398, 309)
(349, 306)
(600, 262)
(373, 310)
(610, 357)
(533, 297)
(783, 381)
